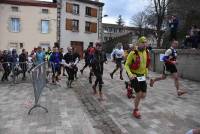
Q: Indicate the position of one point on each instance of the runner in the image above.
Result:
(170, 67)
(89, 54)
(70, 63)
(55, 64)
(118, 55)
(128, 87)
(97, 67)
(86, 59)
(76, 55)
(136, 67)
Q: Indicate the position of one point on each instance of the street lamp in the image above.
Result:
(100, 20)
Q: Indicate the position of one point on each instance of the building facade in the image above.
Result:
(25, 24)
(80, 23)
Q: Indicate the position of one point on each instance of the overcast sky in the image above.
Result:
(126, 8)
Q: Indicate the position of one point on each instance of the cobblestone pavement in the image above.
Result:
(77, 111)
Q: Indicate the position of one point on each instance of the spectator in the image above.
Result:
(173, 25)
(6, 65)
(22, 62)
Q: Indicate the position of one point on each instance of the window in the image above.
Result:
(88, 11)
(91, 12)
(110, 29)
(21, 45)
(15, 25)
(45, 45)
(90, 27)
(45, 26)
(87, 26)
(75, 9)
(115, 30)
(45, 11)
(75, 25)
(72, 8)
(15, 9)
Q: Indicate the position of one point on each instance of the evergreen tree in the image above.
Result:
(120, 21)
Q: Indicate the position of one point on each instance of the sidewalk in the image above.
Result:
(76, 111)
(66, 115)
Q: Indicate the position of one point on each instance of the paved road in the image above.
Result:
(76, 111)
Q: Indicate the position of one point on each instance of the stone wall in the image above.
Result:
(188, 63)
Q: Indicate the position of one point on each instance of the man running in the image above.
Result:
(128, 82)
(86, 57)
(136, 66)
(97, 67)
(170, 67)
(55, 64)
(70, 63)
(118, 55)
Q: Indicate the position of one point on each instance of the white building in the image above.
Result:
(80, 23)
(25, 24)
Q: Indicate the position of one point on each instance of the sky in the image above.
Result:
(126, 8)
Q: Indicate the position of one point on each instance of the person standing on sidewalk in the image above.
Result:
(170, 67)
(97, 67)
(137, 68)
(118, 56)
(23, 59)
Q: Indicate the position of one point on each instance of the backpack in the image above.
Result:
(136, 63)
(173, 54)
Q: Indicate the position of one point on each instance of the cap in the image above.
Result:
(142, 39)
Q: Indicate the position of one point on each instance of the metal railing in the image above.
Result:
(39, 77)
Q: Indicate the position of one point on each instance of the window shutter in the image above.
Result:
(69, 7)
(68, 24)
(93, 12)
(93, 27)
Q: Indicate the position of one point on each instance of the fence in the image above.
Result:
(39, 79)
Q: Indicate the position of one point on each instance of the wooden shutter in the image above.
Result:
(68, 24)
(93, 27)
(93, 12)
(69, 7)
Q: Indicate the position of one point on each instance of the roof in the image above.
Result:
(29, 3)
(125, 27)
(111, 25)
(92, 2)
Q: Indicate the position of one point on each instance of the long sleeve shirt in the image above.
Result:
(142, 70)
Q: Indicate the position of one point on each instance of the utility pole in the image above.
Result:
(59, 5)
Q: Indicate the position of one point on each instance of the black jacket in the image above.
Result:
(23, 57)
(98, 61)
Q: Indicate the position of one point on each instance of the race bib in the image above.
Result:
(142, 78)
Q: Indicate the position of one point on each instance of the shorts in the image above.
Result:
(118, 62)
(171, 68)
(56, 68)
(139, 86)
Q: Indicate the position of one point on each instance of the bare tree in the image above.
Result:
(160, 10)
(139, 21)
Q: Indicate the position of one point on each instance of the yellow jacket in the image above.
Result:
(142, 70)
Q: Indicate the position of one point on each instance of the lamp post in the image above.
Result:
(100, 31)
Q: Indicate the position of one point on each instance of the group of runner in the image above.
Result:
(137, 63)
